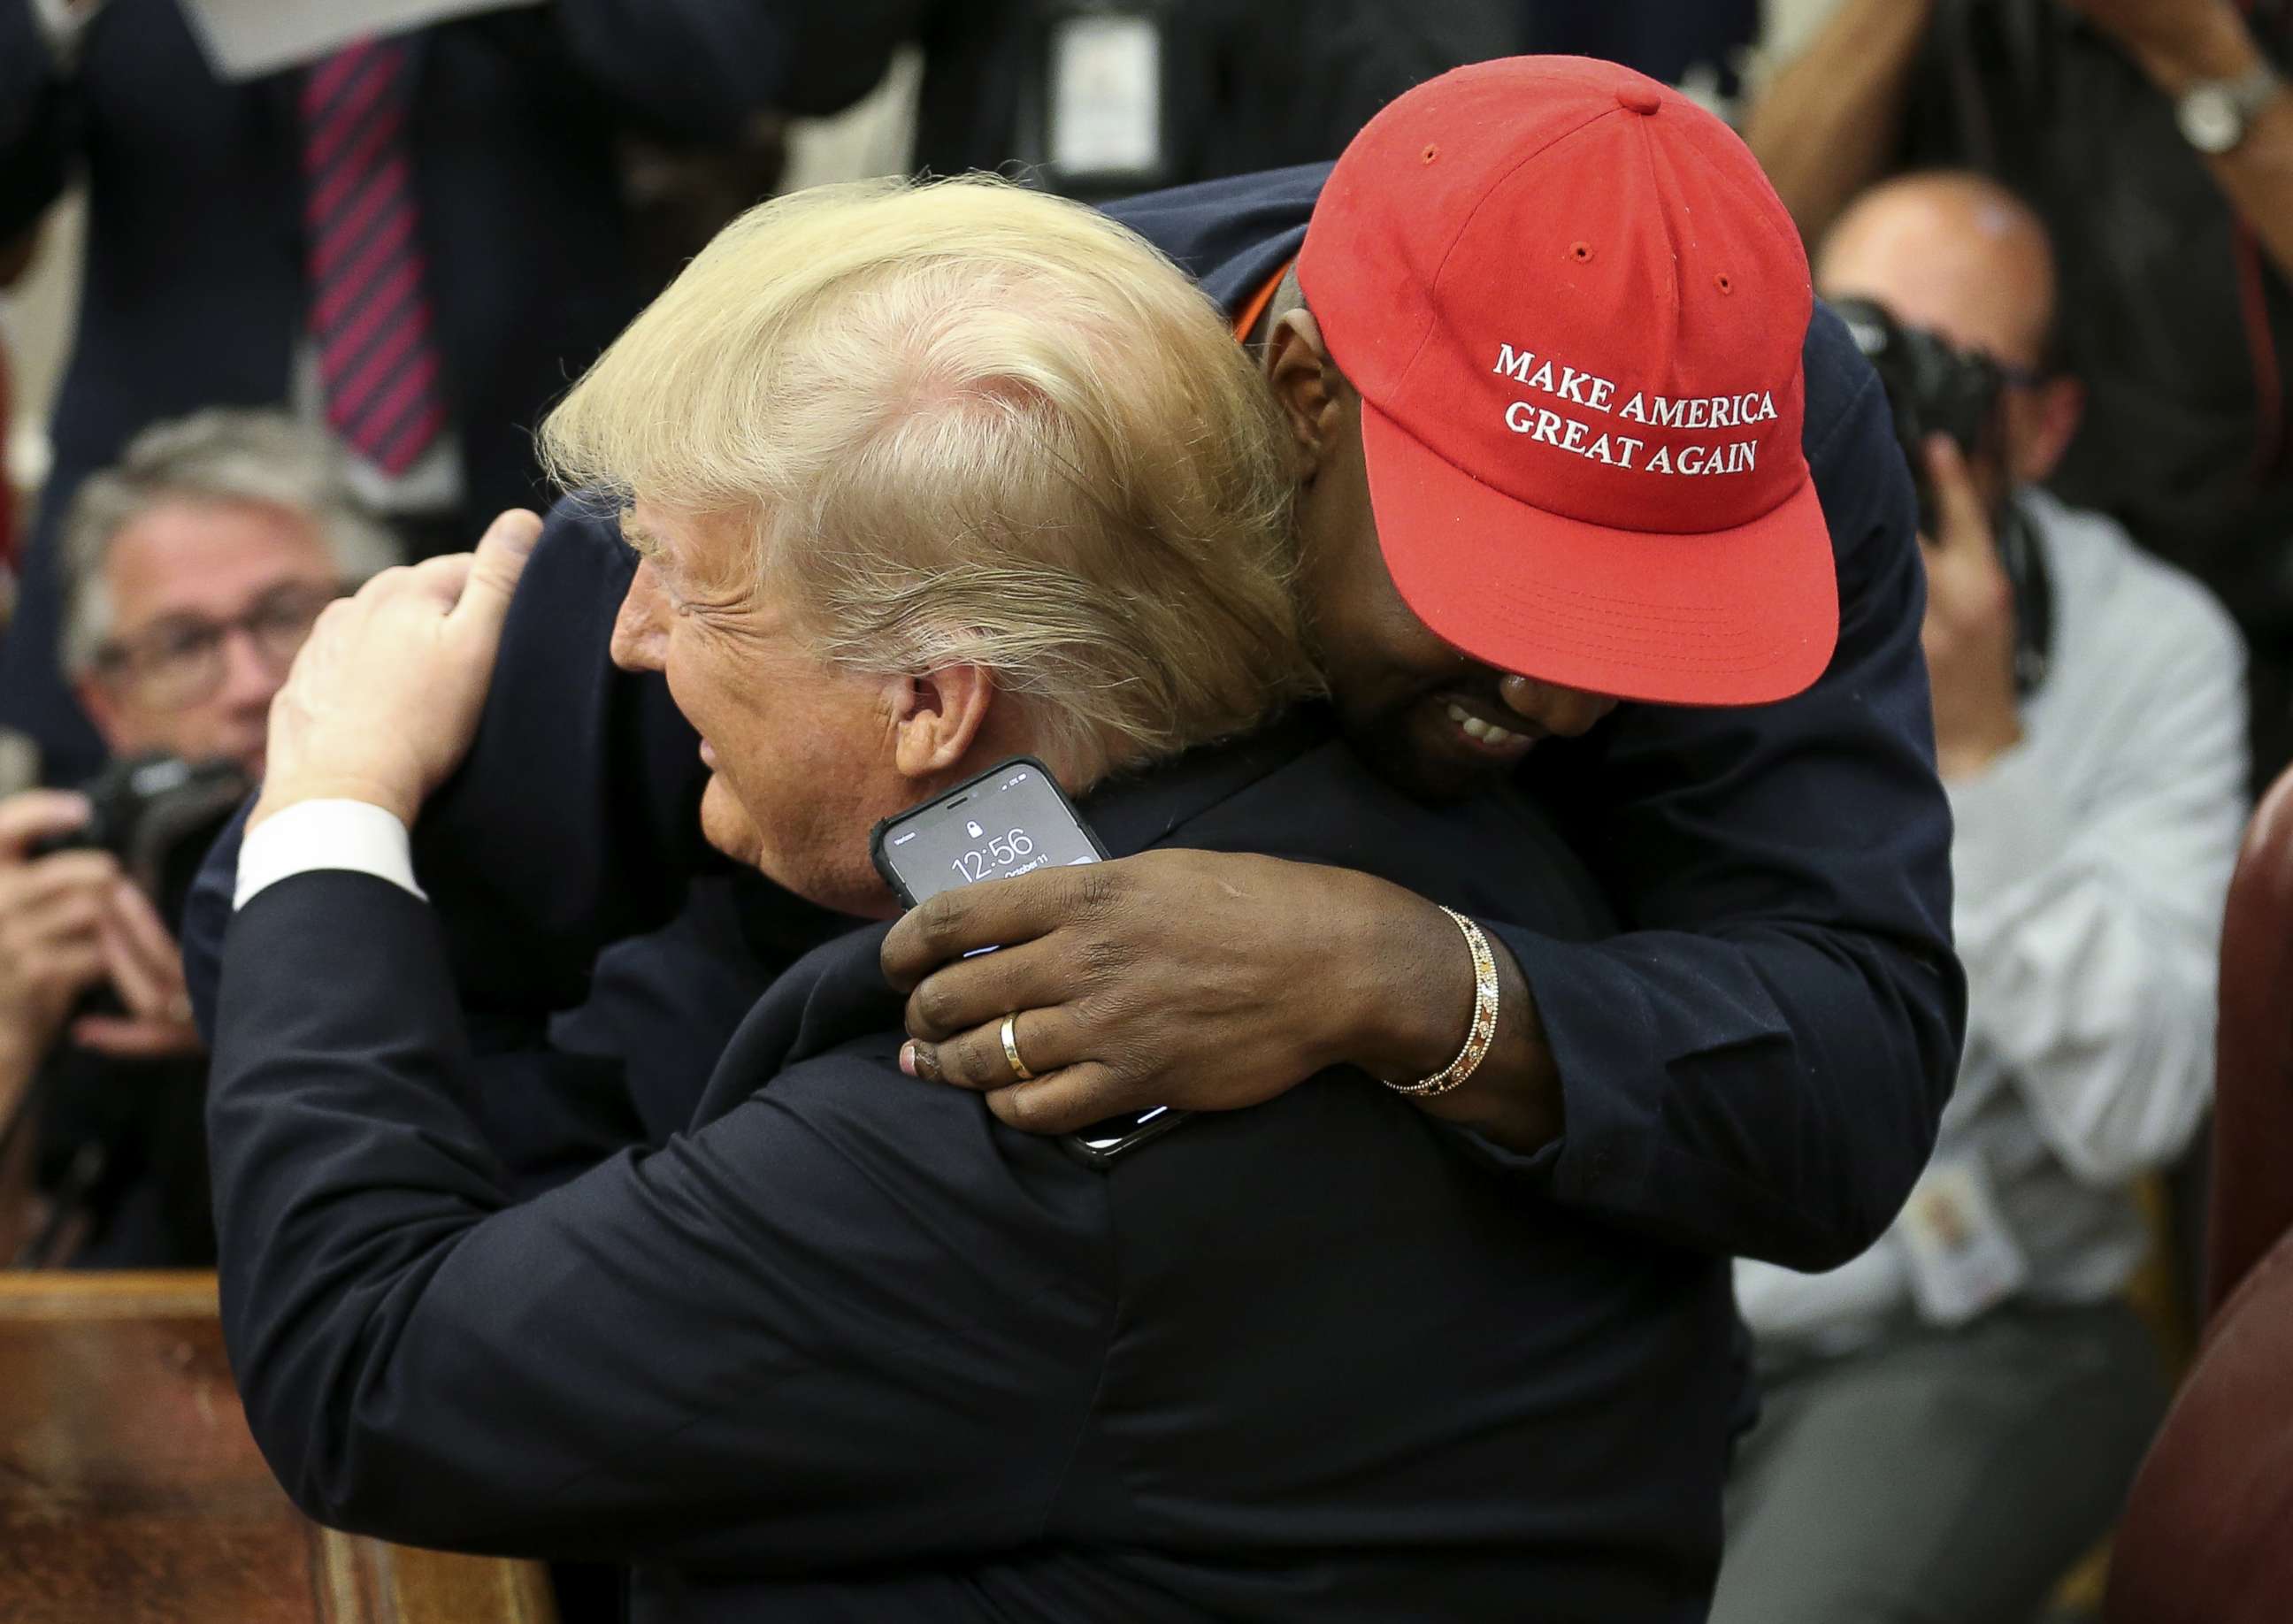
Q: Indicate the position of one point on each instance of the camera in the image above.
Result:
(158, 814)
(1935, 388)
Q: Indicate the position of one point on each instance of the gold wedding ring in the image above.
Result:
(1011, 1049)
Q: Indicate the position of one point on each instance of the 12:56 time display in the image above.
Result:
(997, 854)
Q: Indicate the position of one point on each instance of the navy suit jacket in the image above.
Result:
(193, 293)
(1756, 1066)
(849, 1349)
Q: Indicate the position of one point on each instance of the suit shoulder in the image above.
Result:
(1521, 869)
(919, 1143)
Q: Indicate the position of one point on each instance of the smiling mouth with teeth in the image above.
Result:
(1486, 733)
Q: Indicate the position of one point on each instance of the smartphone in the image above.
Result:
(1011, 819)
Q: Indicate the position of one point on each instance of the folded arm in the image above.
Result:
(2179, 46)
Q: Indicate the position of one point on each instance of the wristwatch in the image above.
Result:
(2215, 114)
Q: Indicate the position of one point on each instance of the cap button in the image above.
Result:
(1638, 98)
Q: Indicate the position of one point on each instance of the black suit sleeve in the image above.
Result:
(1759, 1065)
(779, 1342)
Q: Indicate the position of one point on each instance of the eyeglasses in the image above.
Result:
(178, 661)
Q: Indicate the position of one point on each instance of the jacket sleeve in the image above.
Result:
(39, 131)
(1760, 1064)
(674, 1357)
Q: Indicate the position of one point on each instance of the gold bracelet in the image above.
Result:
(1484, 1029)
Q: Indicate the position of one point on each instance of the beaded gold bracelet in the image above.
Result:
(1484, 1029)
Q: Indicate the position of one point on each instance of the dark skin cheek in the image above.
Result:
(1377, 655)
(1383, 663)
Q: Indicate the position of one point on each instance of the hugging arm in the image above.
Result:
(1760, 1064)
(569, 825)
(1756, 1066)
(572, 822)
(669, 1358)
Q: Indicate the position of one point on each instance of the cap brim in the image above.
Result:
(1733, 617)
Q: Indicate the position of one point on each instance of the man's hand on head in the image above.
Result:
(1197, 980)
(1969, 632)
(385, 696)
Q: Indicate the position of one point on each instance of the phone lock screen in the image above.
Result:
(1012, 819)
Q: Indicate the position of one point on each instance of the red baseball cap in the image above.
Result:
(1575, 308)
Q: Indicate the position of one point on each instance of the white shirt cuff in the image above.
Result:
(348, 835)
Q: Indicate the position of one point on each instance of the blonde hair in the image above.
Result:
(966, 423)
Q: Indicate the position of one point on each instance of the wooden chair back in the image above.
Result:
(131, 1492)
(2253, 1075)
(2204, 1537)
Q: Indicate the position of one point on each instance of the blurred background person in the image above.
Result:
(1698, 44)
(2155, 139)
(12, 268)
(413, 241)
(1952, 1419)
(1099, 101)
(192, 572)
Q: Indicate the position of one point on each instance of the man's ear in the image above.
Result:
(2048, 419)
(937, 716)
(1307, 386)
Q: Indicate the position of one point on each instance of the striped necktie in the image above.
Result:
(370, 311)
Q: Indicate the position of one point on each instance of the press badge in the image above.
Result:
(1105, 95)
(1959, 1254)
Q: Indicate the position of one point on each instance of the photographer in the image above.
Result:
(1952, 1418)
(2155, 139)
(193, 571)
